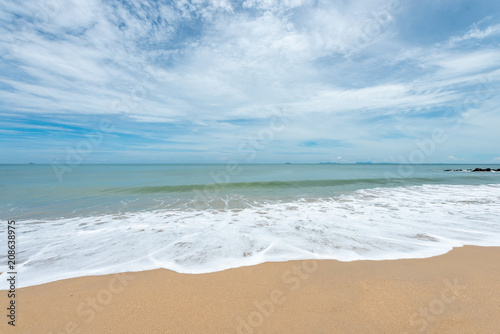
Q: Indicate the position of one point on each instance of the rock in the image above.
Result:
(473, 170)
(482, 170)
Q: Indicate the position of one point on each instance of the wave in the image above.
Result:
(368, 224)
(272, 185)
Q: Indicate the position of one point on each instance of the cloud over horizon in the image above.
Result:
(190, 81)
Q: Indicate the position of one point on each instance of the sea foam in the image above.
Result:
(369, 224)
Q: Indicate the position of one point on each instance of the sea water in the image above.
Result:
(196, 218)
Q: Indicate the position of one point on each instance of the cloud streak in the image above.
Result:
(187, 80)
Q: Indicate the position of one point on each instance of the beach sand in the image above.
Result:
(458, 292)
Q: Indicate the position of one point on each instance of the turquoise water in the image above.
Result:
(101, 219)
(36, 191)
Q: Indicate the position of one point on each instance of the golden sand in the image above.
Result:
(458, 292)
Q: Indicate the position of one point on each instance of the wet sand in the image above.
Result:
(458, 292)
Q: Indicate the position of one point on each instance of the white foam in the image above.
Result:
(377, 224)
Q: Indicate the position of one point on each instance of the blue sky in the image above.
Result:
(249, 81)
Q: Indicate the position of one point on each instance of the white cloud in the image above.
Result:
(475, 33)
(324, 63)
(466, 63)
(275, 5)
(240, 66)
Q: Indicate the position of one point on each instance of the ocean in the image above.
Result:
(200, 218)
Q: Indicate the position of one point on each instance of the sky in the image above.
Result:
(217, 81)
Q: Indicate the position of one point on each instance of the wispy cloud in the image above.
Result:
(173, 77)
(475, 33)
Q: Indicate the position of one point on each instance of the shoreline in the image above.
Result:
(451, 293)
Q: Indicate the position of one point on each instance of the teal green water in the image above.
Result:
(102, 219)
(37, 192)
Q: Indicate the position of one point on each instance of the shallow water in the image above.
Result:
(202, 218)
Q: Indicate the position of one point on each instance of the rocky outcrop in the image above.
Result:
(473, 170)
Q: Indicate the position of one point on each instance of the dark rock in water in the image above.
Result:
(483, 170)
(473, 170)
